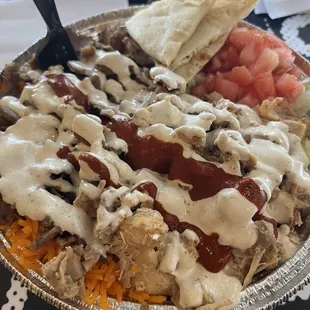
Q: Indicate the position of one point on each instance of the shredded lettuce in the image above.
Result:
(307, 84)
(302, 104)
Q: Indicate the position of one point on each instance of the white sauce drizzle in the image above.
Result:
(171, 80)
(28, 158)
(228, 213)
(25, 171)
(197, 285)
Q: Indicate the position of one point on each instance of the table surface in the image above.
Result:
(15, 297)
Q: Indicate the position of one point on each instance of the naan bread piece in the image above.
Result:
(208, 37)
(165, 26)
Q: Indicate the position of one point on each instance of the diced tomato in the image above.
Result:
(240, 37)
(278, 72)
(249, 100)
(249, 89)
(277, 77)
(264, 86)
(220, 75)
(252, 66)
(289, 87)
(268, 60)
(241, 76)
(215, 64)
(250, 53)
(222, 54)
(228, 75)
(262, 38)
(209, 83)
(227, 89)
(225, 66)
(276, 41)
(286, 57)
(199, 91)
(232, 57)
(296, 72)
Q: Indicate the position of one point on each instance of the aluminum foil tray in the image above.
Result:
(268, 293)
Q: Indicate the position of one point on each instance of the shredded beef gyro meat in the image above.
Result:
(7, 118)
(47, 232)
(7, 213)
(66, 271)
(46, 237)
(10, 81)
(116, 35)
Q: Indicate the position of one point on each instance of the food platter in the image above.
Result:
(266, 294)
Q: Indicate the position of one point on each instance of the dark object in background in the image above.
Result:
(56, 48)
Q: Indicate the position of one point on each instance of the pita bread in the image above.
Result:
(208, 37)
(197, 62)
(185, 34)
(165, 26)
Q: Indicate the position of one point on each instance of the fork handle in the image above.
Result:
(49, 13)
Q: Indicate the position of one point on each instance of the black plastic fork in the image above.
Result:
(56, 48)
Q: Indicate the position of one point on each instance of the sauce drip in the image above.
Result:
(147, 187)
(207, 180)
(260, 217)
(212, 255)
(98, 167)
(64, 153)
(64, 87)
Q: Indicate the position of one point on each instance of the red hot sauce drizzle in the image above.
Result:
(64, 87)
(147, 187)
(98, 167)
(212, 255)
(260, 217)
(206, 180)
(64, 153)
(167, 158)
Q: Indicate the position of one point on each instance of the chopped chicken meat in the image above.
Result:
(115, 207)
(88, 198)
(7, 213)
(288, 243)
(281, 208)
(263, 255)
(137, 244)
(267, 109)
(144, 229)
(66, 271)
